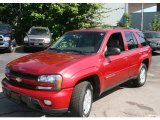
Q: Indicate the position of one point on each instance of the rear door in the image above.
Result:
(133, 52)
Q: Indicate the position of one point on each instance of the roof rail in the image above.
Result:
(117, 27)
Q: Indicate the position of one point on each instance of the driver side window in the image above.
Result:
(116, 41)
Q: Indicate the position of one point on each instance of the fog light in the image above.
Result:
(44, 88)
(47, 102)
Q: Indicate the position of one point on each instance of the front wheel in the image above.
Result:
(82, 99)
(141, 79)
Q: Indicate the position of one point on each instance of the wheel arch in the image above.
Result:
(95, 82)
(146, 62)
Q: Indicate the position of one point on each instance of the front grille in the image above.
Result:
(1, 38)
(22, 85)
(36, 40)
(1, 43)
(23, 75)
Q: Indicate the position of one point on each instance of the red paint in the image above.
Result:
(75, 67)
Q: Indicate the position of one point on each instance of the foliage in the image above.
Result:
(155, 25)
(106, 26)
(126, 21)
(59, 18)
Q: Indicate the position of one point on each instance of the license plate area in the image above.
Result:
(11, 95)
(36, 43)
(15, 96)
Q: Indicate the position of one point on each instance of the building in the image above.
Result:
(139, 19)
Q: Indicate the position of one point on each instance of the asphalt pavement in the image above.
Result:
(121, 101)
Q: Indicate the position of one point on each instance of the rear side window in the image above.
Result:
(142, 38)
(131, 40)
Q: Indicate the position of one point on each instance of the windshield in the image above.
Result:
(80, 42)
(4, 29)
(38, 31)
(152, 35)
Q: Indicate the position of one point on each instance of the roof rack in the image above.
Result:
(117, 27)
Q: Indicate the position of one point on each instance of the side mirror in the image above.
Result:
(112, 51)
(131, 41)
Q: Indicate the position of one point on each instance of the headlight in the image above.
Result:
(53, 79)
(6, 39)
(153, 43)
(25, 39)
(47, 40)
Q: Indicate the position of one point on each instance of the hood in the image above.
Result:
(44, 62)
(154, 40)
(38, 36)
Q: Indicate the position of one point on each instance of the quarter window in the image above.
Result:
(142, 38)
(131, 40)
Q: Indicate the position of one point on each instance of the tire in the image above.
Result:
(25, 49)
(141, 79)
(82, 98)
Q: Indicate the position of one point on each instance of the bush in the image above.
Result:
(126, 21)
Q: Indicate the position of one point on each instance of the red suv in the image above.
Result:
(80, 66)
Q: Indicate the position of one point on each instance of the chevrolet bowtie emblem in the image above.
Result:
(18, 79)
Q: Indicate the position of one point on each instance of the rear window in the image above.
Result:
(142, 38)
(131, 40)
(4, 28)
(152, 34)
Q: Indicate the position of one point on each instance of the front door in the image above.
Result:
(115, 66)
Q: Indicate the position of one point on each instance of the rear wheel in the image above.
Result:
(141, 79)
(82, 99)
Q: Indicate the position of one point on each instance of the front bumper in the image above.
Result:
(35, 98)
(4, 45)
(37, 45)
(155, 48)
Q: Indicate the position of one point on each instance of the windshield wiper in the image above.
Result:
(71, 51)
(75, 51)
(55, 49)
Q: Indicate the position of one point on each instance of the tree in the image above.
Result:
(126, 21)
(155, 25)
(58, 17)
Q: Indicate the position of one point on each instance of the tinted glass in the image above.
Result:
(84, 42)
(152, 34)
(142, 38)
(131, 40)
(4, 28)
(38, 31)
(116, 41)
